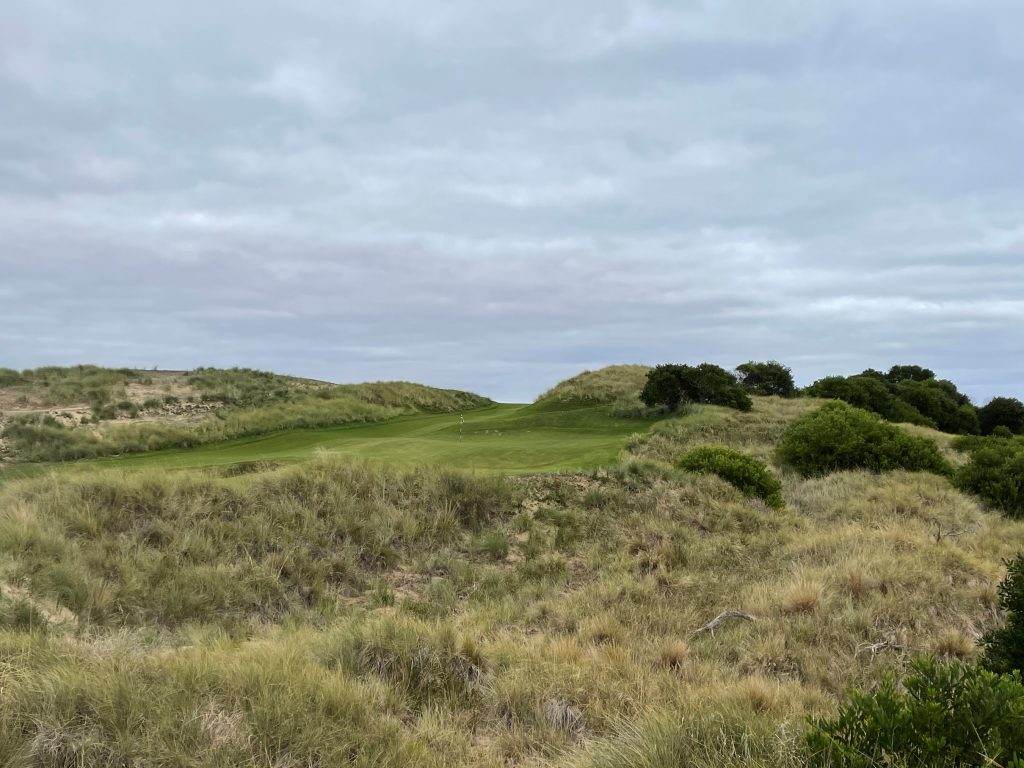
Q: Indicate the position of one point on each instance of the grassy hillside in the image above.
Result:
(612, 384)
(116, 412)
(345, 613)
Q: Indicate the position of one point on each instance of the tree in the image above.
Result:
(900, 373)
(663, 387)
(1002, 411)
(671, 385)
(771, 378)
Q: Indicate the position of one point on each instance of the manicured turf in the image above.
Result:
(507, 438)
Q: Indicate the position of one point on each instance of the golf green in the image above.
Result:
(506, 438)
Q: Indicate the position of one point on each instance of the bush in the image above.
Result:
(1002, 412)
(907, 393)
(995, 473)
(838, 437)
(744, 472)
(771, 378)
(942, 715)
(672, 385)
(1004, 646)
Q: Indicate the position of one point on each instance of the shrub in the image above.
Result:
(1004, 646)
(744, 472)
(771, 378)
(838, 437)
(907, 393)
(995, 473)
(942, 715)
(1002, 412)
(672, 385)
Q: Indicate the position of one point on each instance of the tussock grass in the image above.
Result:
(612, 384)
(338, 613)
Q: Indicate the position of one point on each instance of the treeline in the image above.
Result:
(839, 437)
(907, 394)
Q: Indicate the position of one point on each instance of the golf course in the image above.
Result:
(506, 437)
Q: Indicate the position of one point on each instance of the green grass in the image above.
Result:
(507, 438)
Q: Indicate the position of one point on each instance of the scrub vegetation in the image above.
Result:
(686, 599)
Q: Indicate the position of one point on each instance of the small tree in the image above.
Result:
(671, 385)
(771, 378)
(1002, 411)
(663, 387)
(900, 373)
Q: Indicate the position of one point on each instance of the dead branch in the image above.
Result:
(893, 641)
(711, 625)
(941, 534)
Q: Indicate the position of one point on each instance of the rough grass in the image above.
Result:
(615, 383)
(259, 403)
(346, 614)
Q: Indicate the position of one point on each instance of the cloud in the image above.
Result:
(495, 196)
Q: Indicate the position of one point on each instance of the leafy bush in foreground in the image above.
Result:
(1004, 646)
(942, 715)
(996, 474)
(744, 472)
(673, 385)
(838, 437)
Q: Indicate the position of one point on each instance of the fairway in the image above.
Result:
(508, 438)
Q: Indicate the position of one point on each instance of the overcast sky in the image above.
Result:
(497, 195)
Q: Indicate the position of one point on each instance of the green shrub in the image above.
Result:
(673, 385)
(1002, 412)
(744, 472)
(1004, 646)
(906, 394)
(995, 473)
(494, 544)
(771, 378)
(839, 437)
(941, 715)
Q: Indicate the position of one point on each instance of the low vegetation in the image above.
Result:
(839, 437)
(995, 473)
(940, 715)
(397, 613)
(1004, 645)
(741, 471)
(247, 402)
(612, 384)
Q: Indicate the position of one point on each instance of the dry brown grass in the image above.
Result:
(613, 383)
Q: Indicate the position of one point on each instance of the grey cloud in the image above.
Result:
(495, 196)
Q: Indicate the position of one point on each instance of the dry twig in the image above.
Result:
(711, 625)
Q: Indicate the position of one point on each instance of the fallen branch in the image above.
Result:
(940, 534)
(711, 625)
(893, 642)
